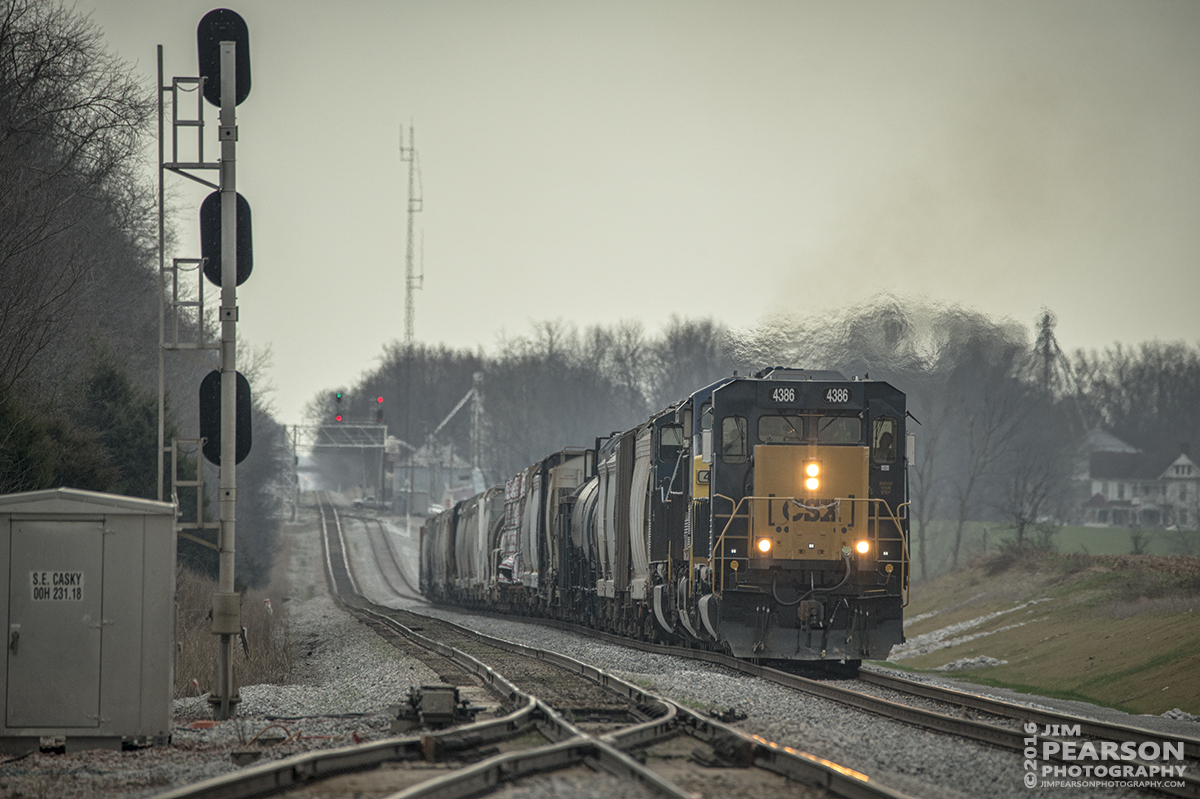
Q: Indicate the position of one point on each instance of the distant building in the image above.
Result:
(429, 481)
(1131, 488)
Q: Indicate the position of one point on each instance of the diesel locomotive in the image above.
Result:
(762, 516)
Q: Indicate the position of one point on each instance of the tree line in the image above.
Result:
(554, 387)
(79, 287)
(1000, 413)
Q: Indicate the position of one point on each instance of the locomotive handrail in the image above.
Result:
(717, 553)
(903, 506)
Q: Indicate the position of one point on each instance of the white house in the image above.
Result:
(1130, 488)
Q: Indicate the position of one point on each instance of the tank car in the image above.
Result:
(763, 516)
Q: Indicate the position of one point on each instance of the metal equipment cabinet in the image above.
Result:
(88, 593)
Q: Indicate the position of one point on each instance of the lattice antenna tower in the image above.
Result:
(412, 281)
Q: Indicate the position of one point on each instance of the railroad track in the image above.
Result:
(960, 712)
(547, 731)
(1007, 725)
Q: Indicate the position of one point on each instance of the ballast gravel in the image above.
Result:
(346, 676)
(898, 755)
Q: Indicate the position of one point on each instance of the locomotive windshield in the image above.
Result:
(781, 429)
(795, 429)
(839, 430)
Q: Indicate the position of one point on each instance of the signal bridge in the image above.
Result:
(347, 435)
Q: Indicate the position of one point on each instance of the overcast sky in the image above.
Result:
(606, 160)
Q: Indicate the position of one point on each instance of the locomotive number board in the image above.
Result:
(808, 395)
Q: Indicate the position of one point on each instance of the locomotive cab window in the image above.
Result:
(838, 429)
(883, 440)
(781, 429)
(706, 416)
(670, 442)
(733, 439)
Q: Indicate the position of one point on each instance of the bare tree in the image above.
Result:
(927, 482)
(690, 354)
(1148, 395)
(1036, 485)
(70, 120)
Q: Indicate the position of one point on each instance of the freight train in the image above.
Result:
(762, 516)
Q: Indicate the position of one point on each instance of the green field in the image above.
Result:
(982, 539)
(1119, 631)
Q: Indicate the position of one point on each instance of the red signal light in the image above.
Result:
(379, 399)
(338, 417)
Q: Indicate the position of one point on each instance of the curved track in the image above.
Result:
(958, 713)
(944, 710)
(652, 722)
(941, 709)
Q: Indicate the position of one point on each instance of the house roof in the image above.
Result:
(1135, 465)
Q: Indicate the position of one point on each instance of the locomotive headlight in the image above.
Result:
(863, 547)
(764, 545)
(812, 469)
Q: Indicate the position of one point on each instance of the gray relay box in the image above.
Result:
(88, 589)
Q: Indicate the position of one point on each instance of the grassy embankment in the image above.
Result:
(981, 538)
(1121, 630)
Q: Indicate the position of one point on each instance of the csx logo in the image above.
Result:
(813, 510)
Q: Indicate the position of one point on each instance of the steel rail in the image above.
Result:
(1094, 728)
(793, 764)
(345, 553)
(982, 732)
(570, 746)
(381, 540)
(999, 707)
(491, 773)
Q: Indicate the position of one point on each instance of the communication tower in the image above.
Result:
(412, 281)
